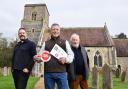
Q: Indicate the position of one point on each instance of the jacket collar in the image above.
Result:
(23, 41)
(55, 38)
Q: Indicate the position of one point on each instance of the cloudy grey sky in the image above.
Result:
(69, 13)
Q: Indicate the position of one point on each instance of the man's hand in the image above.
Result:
(25, 70)
(37, 57)
(62, 60)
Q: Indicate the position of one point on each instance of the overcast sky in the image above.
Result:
(69, 13)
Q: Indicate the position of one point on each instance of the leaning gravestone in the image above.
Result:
(107, 77)
(94, 77)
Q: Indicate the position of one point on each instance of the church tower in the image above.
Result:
(35, 20)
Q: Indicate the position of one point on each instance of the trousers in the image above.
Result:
(60, 78)
(20, 79)
(74, 84)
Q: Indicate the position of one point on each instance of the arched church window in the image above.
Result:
(98, 59)
(34, 15)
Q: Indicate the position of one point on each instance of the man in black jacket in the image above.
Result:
(22, 61)
(78, 71)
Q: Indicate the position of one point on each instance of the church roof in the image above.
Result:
(90, 36)
(121, 47)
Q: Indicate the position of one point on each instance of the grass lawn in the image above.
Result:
(117, 84)
(7, 82)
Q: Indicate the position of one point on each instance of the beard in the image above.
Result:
(76, 45)
(22, 38)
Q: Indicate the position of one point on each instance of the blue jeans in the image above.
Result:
(50, 78)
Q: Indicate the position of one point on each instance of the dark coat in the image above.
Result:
(23, 55)
(71, 67)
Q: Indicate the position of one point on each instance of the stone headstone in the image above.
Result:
(117, 73)
(107, 77)
(94, 77)
(127, 75)
(5, 71)
(0, 71)
(123, 75)
(9, 71)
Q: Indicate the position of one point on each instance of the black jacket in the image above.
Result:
(71, 68)
(23, 55)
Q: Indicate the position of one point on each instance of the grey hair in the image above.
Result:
(55, 24)
(75, 35)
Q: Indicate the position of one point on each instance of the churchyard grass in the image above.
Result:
(117, 84)
(6, 82)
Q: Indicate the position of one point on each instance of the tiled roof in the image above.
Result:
(90, 36)
(121, 47)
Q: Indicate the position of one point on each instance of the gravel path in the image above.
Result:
(40, 84)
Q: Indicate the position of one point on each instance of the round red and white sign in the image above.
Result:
(45, 56)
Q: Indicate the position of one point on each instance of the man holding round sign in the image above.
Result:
(57, 52)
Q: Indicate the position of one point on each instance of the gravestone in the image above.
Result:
(94, 77)
(107, 77)
(127, 75)
(5, 71)
(123, 75)
(9, 71)
(118, 71)
(0, 70)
